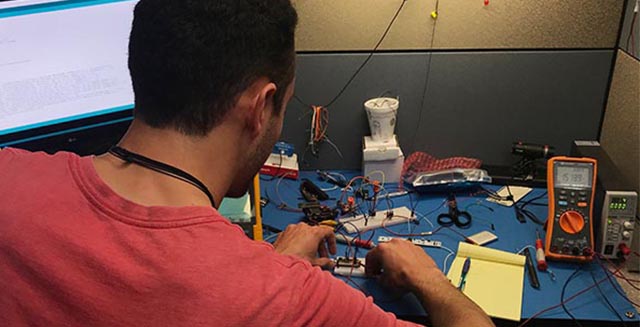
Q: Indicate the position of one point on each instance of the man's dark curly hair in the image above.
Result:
(190, 59)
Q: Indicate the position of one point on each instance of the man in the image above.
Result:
(132, 237)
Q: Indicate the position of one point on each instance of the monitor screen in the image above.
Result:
(63, 61)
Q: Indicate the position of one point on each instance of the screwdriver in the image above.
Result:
(542, 262)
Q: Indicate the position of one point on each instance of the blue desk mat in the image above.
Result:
(512, 236)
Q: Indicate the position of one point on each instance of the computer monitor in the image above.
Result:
(64, 80)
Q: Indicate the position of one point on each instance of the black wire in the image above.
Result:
(301, 102)
(537, 204)
(633, 21)
(427, 78)
(613, 285)
(520, 210)
(510, 197)
(373, 232)
(413, 208)
(161, 167)
(530, 201)
(531, 216)
(564, 288)
(495, 195)
(364, 63)
(605, 299)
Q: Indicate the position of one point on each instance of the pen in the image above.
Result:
(463, 275)
(533, 275)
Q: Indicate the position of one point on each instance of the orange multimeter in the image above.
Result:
(571, 186)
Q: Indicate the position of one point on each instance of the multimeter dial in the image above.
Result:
(571, 222)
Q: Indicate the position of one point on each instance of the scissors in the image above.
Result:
(456, 217)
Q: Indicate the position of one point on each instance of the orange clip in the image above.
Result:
(376, 186)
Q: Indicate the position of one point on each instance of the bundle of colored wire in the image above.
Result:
(319, 125)
(320, 121)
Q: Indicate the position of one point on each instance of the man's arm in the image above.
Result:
(397, 264)
(400, 264)
(320, 298)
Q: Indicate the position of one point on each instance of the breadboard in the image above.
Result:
(356, 270)
(360, 224)
(416, 241)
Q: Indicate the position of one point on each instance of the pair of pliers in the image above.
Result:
(456, 217)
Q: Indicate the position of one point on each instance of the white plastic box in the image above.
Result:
(385, 157)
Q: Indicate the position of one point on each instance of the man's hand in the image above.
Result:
(402, 265)
(312, 243)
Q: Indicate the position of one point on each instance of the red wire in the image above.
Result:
(462, 235)
(624, 296)
(618, 273)
(565, 301)
(320, 123)
(348, 242)
(344, 190)
(356, 284)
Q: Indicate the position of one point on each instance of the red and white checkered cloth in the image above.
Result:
(420, 162)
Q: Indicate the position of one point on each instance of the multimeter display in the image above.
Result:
(573, 176)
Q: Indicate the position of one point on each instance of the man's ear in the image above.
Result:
(261, 105)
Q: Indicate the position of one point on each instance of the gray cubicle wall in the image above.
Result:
(476, 103)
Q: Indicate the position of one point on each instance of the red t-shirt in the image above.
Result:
(74, 253)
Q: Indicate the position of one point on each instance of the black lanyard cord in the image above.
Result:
(162, 168)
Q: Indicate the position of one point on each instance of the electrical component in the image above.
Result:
(363, 223)
(416, 241)
(532, 151)
(615, 203)
(350, 267)
(347, 207)
(283, 148)
(281, 165)
(398, 193)
(508, 196)
(311, 192)
(482, 238)
(315, 212)
(571, 186)
(328, 177)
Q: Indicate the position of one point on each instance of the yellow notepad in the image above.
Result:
(494, 280)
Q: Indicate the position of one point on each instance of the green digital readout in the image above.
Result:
(618, 204)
